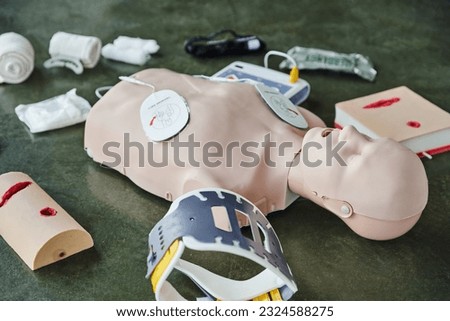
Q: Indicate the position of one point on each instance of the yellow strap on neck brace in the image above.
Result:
(162, 265)
(273, 295)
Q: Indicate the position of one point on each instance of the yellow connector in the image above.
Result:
(293, 75)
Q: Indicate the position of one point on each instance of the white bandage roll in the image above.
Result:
(150, 46)
(66, 46)
(130, 56)
(16, 58)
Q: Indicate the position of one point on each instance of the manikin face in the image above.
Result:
(380, 178)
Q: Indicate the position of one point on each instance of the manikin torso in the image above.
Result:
(233, 140)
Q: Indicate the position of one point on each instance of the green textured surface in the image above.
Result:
(409, 44)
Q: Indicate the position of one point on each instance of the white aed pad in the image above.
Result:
(163, 115)
(296, 92)
(282, 106)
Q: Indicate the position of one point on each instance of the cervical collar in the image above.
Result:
(206, 220)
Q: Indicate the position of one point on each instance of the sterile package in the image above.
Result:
(312, 58)
(53, 113)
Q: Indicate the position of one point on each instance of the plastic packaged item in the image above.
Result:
(53, 113)
(16, 58)
(73, 51)
(135, 51)
(209, 220)
(39, 230)
(311, 58)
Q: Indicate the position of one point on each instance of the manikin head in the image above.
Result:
(377, 187)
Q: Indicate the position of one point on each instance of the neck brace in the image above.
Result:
(205, 220)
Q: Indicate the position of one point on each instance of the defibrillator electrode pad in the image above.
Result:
(207, 220)
(163, 115)
(281, 106)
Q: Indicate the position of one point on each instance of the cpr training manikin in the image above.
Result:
(174, 135)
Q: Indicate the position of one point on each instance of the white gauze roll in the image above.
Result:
(130, 56)
(16, 58)
(150, 46)
(86, 49)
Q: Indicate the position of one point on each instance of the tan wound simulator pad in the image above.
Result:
(39, 230)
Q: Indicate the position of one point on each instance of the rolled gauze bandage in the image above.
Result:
(73, 51)
(16, 58)
(130, 50)
(149, 46)
(129, 56)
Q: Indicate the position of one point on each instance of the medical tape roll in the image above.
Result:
(16, 58)
(207, 220)
(73, 51)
